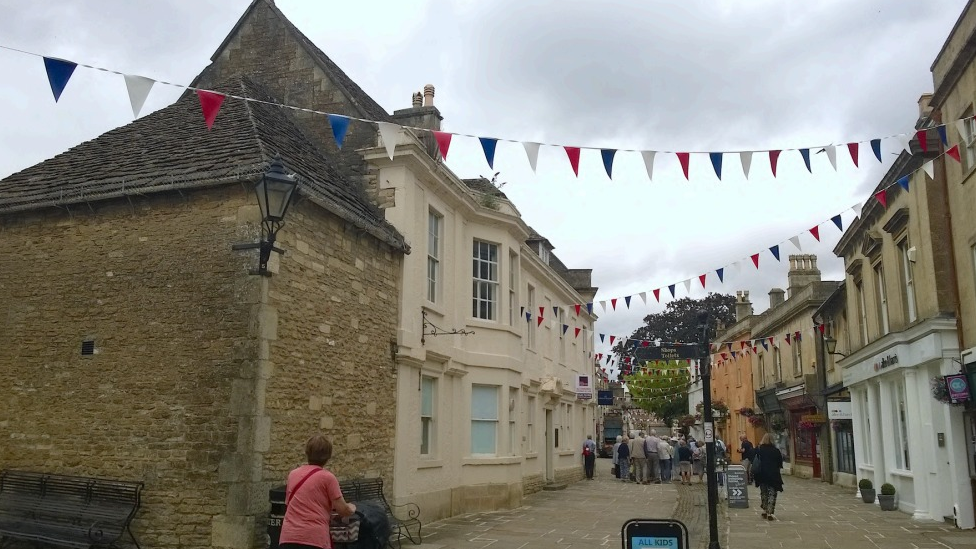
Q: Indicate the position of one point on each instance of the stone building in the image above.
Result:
(140, 348)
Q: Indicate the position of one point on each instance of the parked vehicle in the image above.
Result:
(613, 426)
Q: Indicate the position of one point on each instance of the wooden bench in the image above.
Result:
(66, 511)
(371, 490)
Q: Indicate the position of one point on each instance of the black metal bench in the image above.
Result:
(371, 490)
(66, 511)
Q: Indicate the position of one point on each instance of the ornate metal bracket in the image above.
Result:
(432, 330)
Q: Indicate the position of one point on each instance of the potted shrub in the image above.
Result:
(867, 490)
(887, 497)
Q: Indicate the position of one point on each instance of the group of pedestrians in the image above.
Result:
(655, 459)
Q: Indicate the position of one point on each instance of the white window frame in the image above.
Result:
(866, 457)
(908, 282)
(428, 411)
(882, 296)
(435, 236)
(484, 420)
(484, 293)
(969, 139)
(902, 458)
(562, 335)
(513, 440)
(778, 362)
(531, 323)
(797, 358)
(513, 307)
(862, 311)
(530, 423)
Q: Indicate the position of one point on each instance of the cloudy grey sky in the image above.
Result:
(698, 75)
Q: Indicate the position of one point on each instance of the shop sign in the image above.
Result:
(839, 410)
(958, 388)
(885, 362)
(584, 390)
(604, 398)
(814, 418)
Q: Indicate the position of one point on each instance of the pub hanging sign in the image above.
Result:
(958, 386)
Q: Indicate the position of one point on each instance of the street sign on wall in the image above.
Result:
(737, 486)
(667, 352)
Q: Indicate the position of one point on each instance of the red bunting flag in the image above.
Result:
(821, 328)
(577, 309)
(657, 295)
(683, 159)
(923, 140)
(613, 303)
(542, 312)
(578, 330)
(574, 154)
(882, 197)
(816, 232)
(210, 103)
(788, 339)
(701, 278)
(954, 153)
(773, 159)
(645, 343)
(755, 260)
(539, 321)
(612, 338)
(443, 142)
(743, 344)
(852, 147)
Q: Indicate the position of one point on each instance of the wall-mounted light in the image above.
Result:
(831, 345)
(274, 191)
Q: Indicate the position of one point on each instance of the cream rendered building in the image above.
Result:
(482, 418)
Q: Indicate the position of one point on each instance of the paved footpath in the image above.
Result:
(813, 515)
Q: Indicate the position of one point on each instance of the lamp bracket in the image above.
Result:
(430, 329)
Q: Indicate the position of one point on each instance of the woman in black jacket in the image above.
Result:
(768, 478)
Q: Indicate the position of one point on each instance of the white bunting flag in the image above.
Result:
(832, 155)
(857, 208)
(138, 88)
(905, 140)
(688, 286)
(736, 267)
(796, 242)
(604, 305)
(745, 158)
(643, 296)
(929, 169)
(390, 134)
(961, 128)
(648, 157)
(532, 152)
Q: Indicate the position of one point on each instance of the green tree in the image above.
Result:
(661, 388)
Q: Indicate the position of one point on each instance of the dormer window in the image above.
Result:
(544, 253)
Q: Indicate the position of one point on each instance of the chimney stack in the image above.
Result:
(429, 95)
(743, 308)
(803, 272)
(924, 105)
(776, 297)
(418, 100)
(422, 114)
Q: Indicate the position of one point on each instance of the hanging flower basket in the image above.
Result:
(686, 421)
(940, 391)
(756, 421)
(808, 426)
(719, 408)
(746, 411)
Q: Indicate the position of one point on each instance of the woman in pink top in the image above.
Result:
(311, 495)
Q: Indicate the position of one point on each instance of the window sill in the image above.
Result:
(532, 455)
(904, 473)
(566, 452)
(430, 463)
(491, 460)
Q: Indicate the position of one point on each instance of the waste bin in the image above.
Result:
(277, 498)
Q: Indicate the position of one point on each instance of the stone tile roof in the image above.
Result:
(172, 149)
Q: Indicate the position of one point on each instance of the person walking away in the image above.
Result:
(746, 451)
(768, 478)
(616, 446)
(664, 458)
(623, 459)
(312, 494)
(653, 459)
(698, 461)
(589, 456)
(684, 462)
(637, 455)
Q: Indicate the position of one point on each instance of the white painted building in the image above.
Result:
(483, 418)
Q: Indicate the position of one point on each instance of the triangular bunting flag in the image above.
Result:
(796, 336)
(607, 155)
(838, 221)
(603, 305)
(788, 339)
(542, 312)
(852, 147)
(339, 125)
(821, 328)
(577, 306)
(555, 310)
(882, 197)
(745, 158)
(876, 148)
(796, 242)
(954, 153)
(773, 159)
(565, 328)
(578, 330)
(906, 141)
(488, 145)
(613, 303)
(688, 286)
(755, 260)
(815, 231)
(857, 208)
(765, 346)
(210, 104)
(643, 296)
(573, 153)
(831, 156)
(942, 134)
(775, 251)
(539, 321)
(390, 134)
(602, 336)
(657, 295)
(138, 88)
(805, 153)
(721, 274)
(904, 182)
(671, 289)
(648, 157)
(589, 307)
(929, 168)
(701, 278)
(923, 140)
(528, 317)
(443, 142)
(532, 153)
(683, 159)
(612, 338)
(58, 73)
(627, 301)
(716, 159)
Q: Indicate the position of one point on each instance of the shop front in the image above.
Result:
(843, 460)
(805, 422)
(776, 424)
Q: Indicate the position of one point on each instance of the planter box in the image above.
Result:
(887, 502)
(867, 496)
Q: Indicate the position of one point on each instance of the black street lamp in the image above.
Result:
(831, 345)
(705, 366)
(274, 191)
